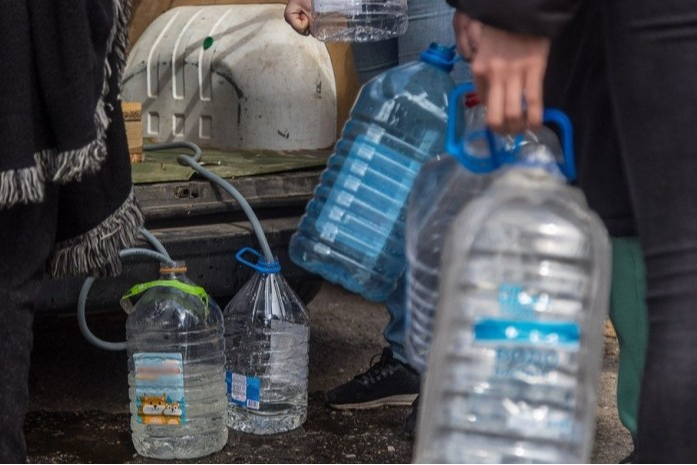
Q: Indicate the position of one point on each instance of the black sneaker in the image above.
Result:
(387, 382)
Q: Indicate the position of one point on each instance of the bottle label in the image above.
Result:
(159, 383)
(243, 391)
(534, 355)
(533, 365)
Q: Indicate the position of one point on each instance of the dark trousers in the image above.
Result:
(626, 72)
(26, 238)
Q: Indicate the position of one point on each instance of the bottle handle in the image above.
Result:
(554, 116)
(451, 142)
(561, 120)
(454, 145)
(262, 266)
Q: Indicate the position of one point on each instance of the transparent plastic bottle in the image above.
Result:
(267, 333)
(352, 232)
(517, 350)
(358, 20)
(444, 187)
(176, 362)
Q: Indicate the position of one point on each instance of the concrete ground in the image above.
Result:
(79, 397)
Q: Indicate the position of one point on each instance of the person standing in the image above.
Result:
(66, 199)
(623, 71)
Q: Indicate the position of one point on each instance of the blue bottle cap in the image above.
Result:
(440, 56)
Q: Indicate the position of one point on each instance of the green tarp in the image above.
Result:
(162, 166)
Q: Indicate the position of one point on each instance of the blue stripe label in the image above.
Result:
(532, 332)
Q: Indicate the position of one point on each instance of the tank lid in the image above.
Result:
(440, 56)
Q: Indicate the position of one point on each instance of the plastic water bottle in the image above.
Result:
(267, 333)
(358, 20)
(444, 186)
(176, 363)
(352, 232)
(515, 362)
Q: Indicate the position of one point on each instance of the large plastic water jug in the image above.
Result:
(517, 350)
(176, 365)
(358, 20)
(444, 186)
(267, 335)
(352, 232)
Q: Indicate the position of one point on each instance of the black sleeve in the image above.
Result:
(536, 17)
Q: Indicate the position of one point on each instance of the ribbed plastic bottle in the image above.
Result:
(358, 20)
(267, 333)
(176, 362)
(444, 186)
(352, 232)
(518, 342)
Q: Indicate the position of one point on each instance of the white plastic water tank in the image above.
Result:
(232, 77)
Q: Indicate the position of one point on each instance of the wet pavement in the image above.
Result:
(79, 397)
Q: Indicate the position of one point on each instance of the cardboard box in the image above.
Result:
(132, 112)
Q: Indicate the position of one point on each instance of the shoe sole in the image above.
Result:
(403, 400)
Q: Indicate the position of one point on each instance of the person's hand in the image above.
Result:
(467, 34)
(299, 15)
(509, 68)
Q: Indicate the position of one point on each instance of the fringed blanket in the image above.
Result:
(61, 123)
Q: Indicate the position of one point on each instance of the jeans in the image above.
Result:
(624, 72)
(429, 21)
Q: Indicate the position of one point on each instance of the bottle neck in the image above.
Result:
(173, 272)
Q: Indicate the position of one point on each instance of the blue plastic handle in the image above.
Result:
(550, 116)
(453, 144)
(558, 117)
(262, 266)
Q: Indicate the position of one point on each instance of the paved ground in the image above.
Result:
(80, 398)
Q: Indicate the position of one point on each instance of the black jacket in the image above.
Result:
(536, 17)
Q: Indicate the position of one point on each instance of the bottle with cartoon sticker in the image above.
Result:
(176, 366)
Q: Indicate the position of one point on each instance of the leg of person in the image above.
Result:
(652, 60)
(395, 331)
(26, 239)
(373, 58)
(577, 82)
(629, 317)
(390, 381)
(430, 21)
